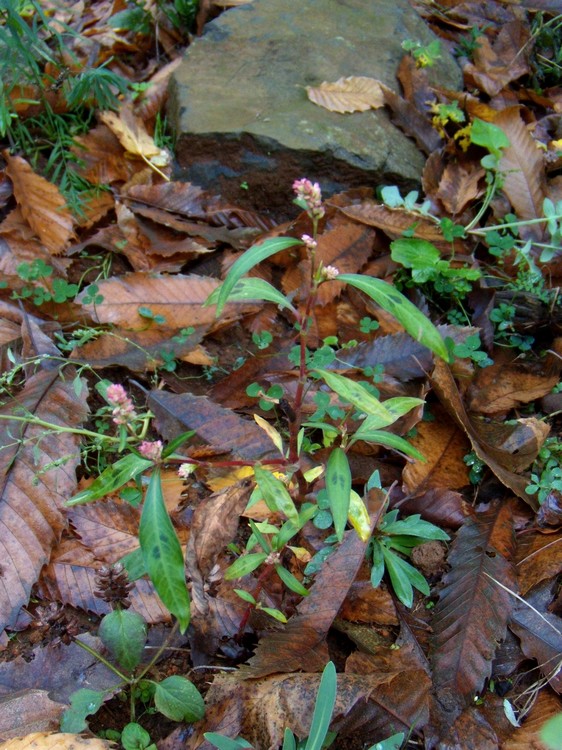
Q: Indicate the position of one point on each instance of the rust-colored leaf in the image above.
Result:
(473, 610)
(353, 94)
(527, 737)
(346, 247)
(34, 485)
(504, 458)
(443, 446)
(502, 387)
(42, 205)
(101, 157)
(523, 173)
(180, 300)
(539, 556)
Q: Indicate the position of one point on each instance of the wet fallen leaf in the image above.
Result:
(473, 610)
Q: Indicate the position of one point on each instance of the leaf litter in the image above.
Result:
(145, 254)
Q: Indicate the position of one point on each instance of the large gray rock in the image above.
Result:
(239, 106)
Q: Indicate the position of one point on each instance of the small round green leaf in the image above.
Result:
(178, 699)
(124, 634)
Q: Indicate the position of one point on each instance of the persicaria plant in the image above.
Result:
(293, 485)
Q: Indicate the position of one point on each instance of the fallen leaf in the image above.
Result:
(56, 741)
(133, 136)
(42, 205)
(539, 557)
(473, 610)
(443, 446)
(34, 485)
(527, 737)
(28, 711)
(353, 94)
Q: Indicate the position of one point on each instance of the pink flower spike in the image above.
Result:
(116, 394)
(152, 450)
(310, 243)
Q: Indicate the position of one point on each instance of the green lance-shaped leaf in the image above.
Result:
(124, 634)
(276, 494)
(338, 489)
(162, 552)
(115, 476)
(403, 576)
(178, 699)
(325, 702)
(244, 565)
(390, 299)
(357, 395)
(381, 437)
(225, 743)
(252, 289)
(290, 581)
(247, 261)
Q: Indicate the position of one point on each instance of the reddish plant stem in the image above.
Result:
(264, 576)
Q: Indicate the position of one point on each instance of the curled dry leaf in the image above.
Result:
(134, 137)
(41, 204)
(353, 94)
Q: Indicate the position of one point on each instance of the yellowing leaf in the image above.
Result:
(353, 94)
(134, 137)
(55, 741)
(358, 516)
(271, 432)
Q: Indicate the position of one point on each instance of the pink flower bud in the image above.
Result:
(151, 449)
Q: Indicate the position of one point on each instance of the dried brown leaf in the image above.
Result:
(443, 446)
(34, 485)
(179, 299)
(141, 350)
(55, 741)
(42, 205)
(395, 221)
(497, 64)
(522, 168)
(353, 94)
(439, 506)
(472, 612)
(219, 427)
(502, 387)
(539, 557)
(133, 136)
(540, 633)
(27, 711)
(346, 247)
(505, 460)
(214, 525)
(527, 737)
